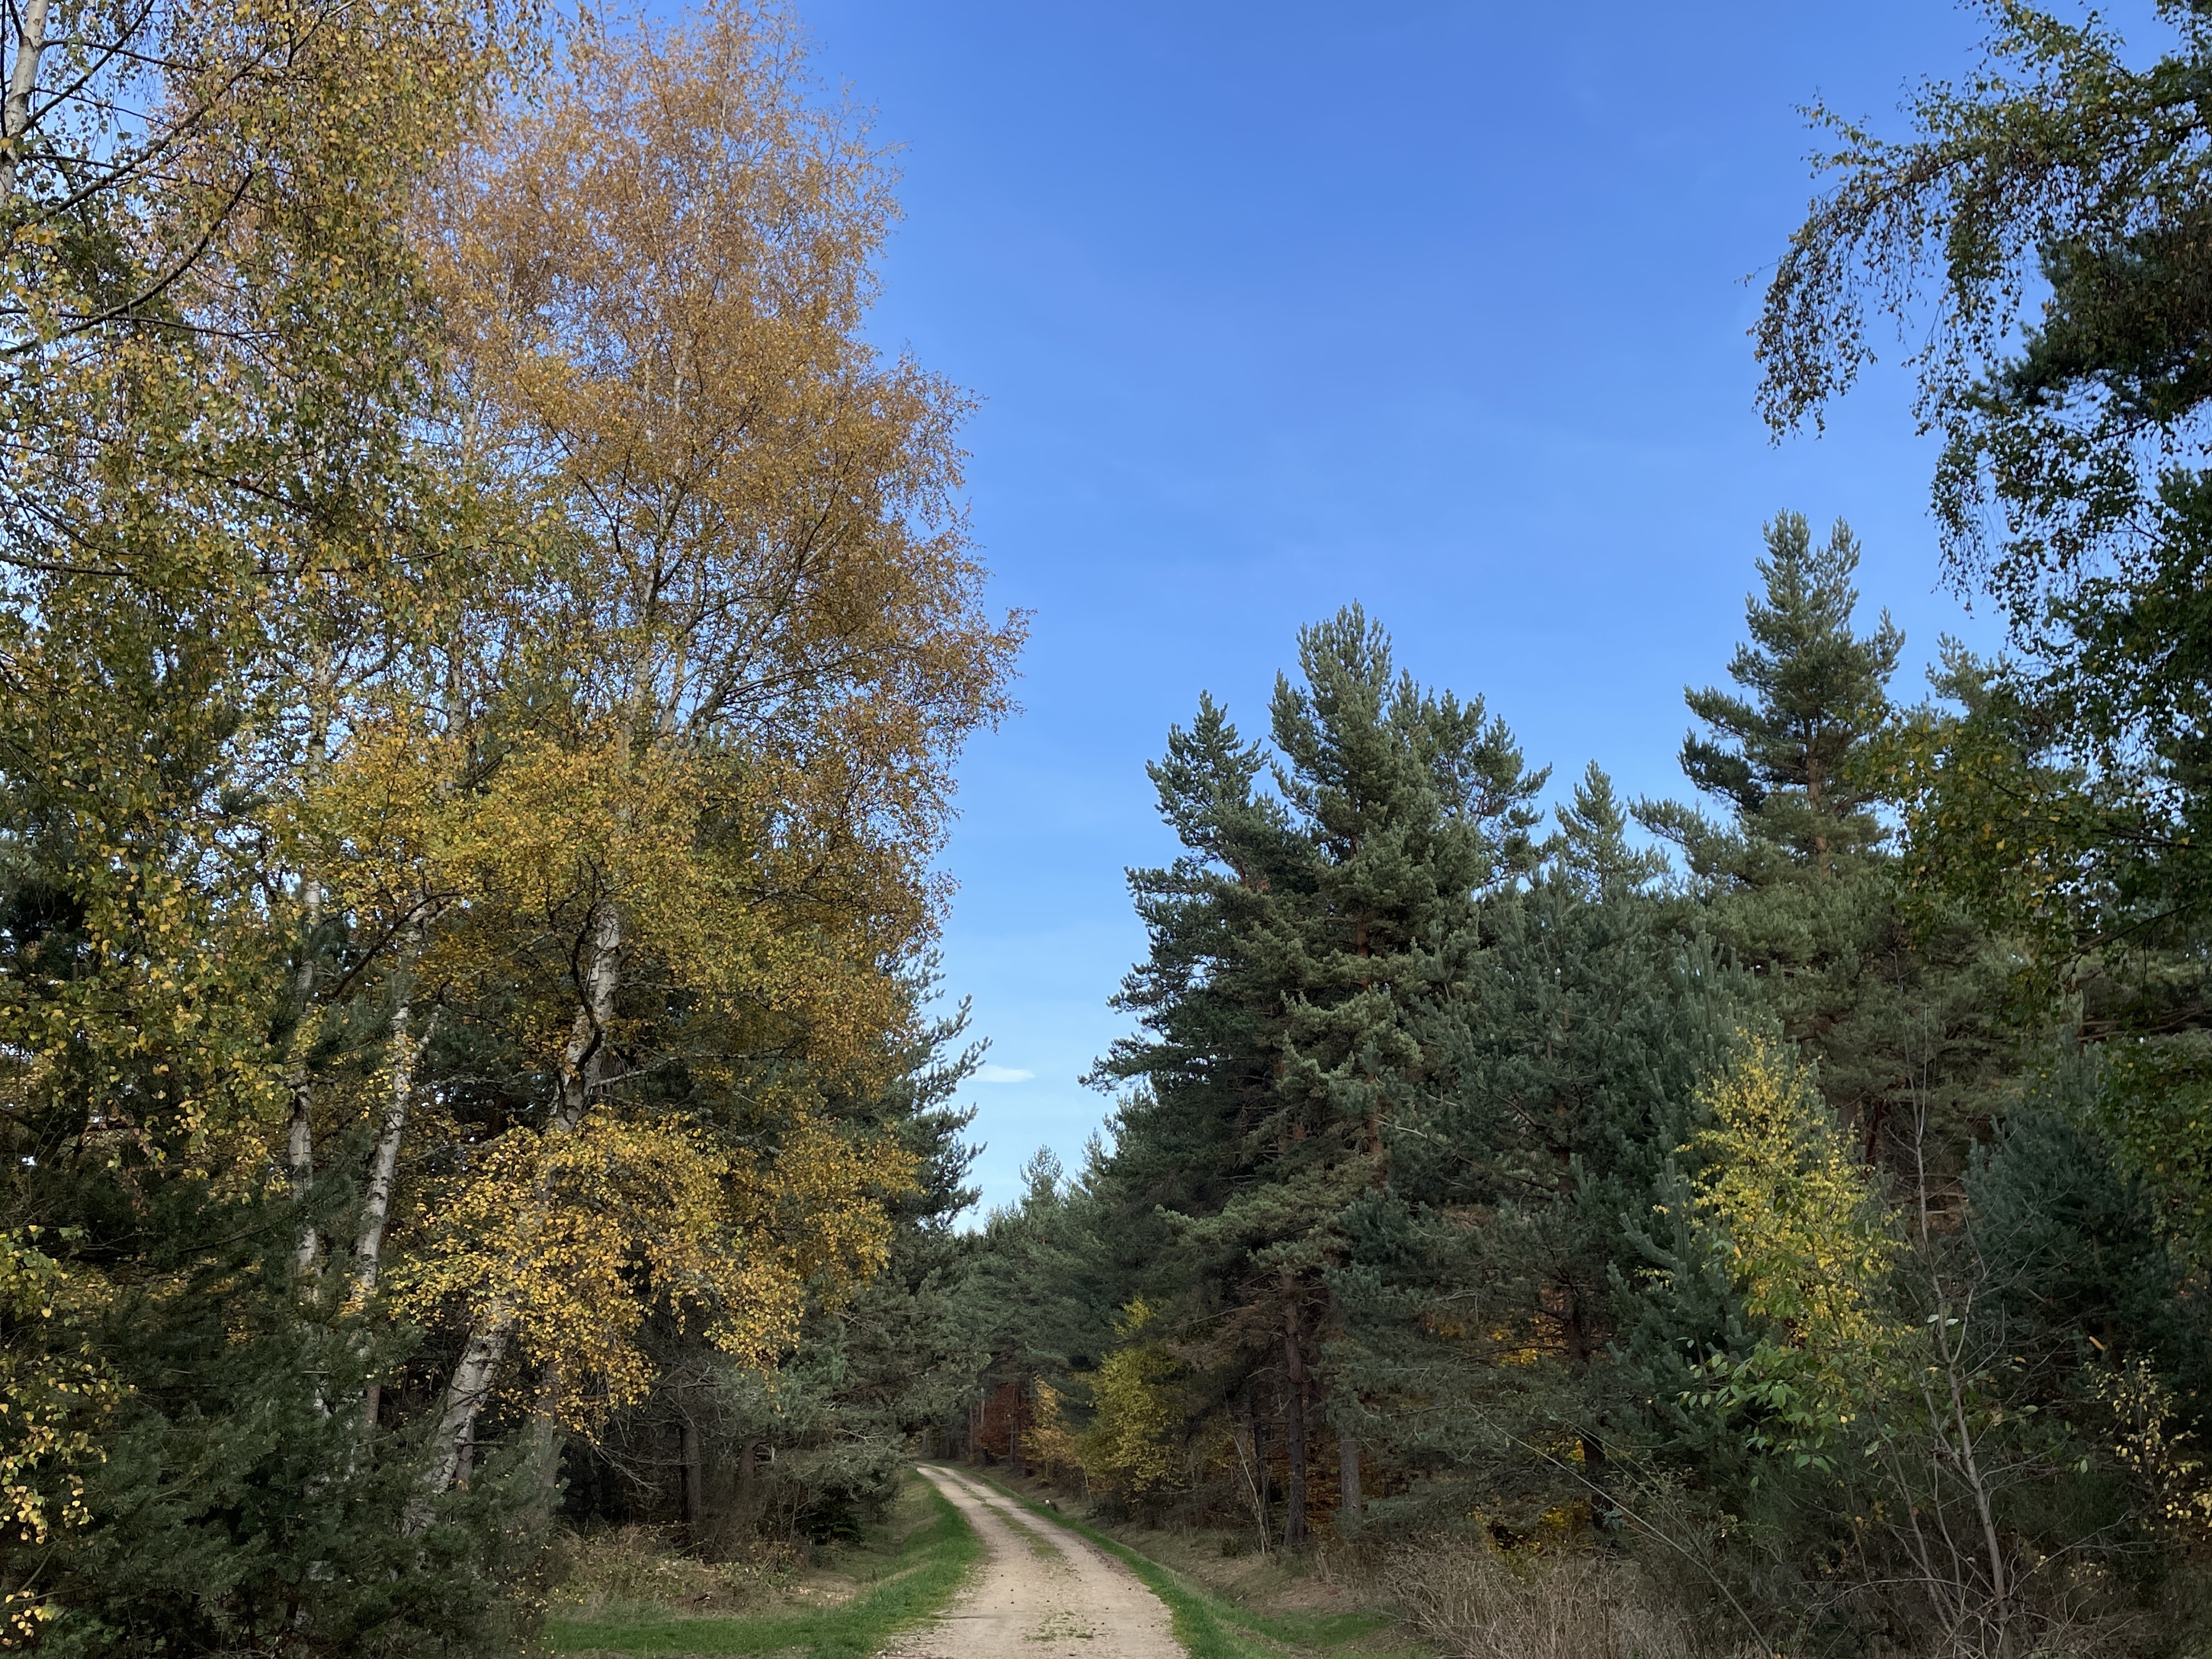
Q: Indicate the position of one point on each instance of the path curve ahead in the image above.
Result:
(1044, 1592)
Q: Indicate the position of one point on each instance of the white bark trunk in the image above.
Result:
(454, 1447)
(16, 119)
(384, 1162)
(584, 1066)
(300, 1149)
(583, 1061)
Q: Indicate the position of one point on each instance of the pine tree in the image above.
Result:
(1491, 1282)
(1784, 752)
(1799, 885)
(1592, 848)
(1288, 947)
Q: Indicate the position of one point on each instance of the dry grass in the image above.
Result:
(626, 1592)
(632, 1566)
(1474, 1604)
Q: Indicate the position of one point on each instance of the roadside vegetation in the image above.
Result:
(1770, 1218)
(1236, 1614)
(636, 1595)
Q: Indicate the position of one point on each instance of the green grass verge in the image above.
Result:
(918, 1580)
(1211, 1626)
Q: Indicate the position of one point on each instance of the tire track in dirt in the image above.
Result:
(1043, 1592)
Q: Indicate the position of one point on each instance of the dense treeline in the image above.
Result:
(1779, 1221)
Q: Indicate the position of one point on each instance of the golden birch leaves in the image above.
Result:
(53, 1401)
(576, 1235)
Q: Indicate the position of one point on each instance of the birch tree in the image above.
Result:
(747, 643)
(214, 511)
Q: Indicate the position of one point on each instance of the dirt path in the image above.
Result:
(1044, 1593)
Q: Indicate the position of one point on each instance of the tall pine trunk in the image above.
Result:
(691, 1464)
(745, 1520)
(1252, 1452)
(1584, 1343)
(1294, 1432)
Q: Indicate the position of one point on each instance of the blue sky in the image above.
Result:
(1440, 308)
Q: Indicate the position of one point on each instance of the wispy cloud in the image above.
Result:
(1002, 1074)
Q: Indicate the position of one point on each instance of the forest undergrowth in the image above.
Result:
(633, 1592)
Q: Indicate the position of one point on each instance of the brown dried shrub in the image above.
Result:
(1474, 1603)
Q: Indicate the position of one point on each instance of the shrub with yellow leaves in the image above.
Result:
(55, 1392)
(1132, 1444)
(1793, 1215)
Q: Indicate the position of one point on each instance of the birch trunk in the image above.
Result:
(384, 1162)
(583, 1061)
(454, 1447)
(383, 1174)
(582, 1073)
(299, 1140)
(299, 1147)
(299, 1155)
(22, 81)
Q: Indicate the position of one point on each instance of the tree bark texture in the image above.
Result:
(692, 1467)
(1294, 1433)
(384, 1161)
(299, 1140)
(584, 1061)
(22, 81)
(547, 1440)
(453, 1447)
(1252, 1449)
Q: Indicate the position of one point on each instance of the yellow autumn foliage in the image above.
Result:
(576, 1235)
(1049, 1440)
(54, 1395)
(619, 751)
(1794, 1209)
(1132, 1444)
(712, 893)
(1794, 1215)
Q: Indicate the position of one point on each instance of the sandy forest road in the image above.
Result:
(1043, 1593)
